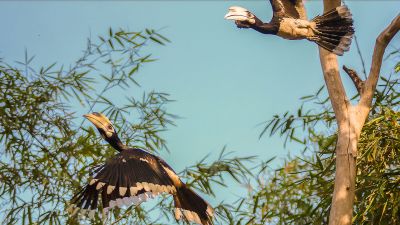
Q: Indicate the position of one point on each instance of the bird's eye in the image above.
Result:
(110, 127)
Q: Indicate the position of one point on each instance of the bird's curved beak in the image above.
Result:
(97, 119)
(237, 13)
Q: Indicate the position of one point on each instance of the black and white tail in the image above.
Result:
(191, 207)
(334, 30)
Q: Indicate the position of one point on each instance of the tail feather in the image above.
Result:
(191, 207)
(334, 30)
(344, 12)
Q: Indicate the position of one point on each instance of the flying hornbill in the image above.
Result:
(332, 31)
(131, 177)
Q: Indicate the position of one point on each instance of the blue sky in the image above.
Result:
(225, 81)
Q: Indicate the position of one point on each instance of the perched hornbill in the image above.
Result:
(332, 31)
(131, 177)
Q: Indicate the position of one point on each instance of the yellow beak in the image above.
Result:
(98, 120)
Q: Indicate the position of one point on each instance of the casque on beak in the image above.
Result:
(238, 13)
(98, 120)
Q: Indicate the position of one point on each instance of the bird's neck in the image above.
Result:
(117, 144)
(265, 28)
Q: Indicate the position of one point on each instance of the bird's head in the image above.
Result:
(106, 129)
(102, 123)
(242, 17)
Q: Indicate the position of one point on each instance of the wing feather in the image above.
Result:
(132, 176)
(288, 8)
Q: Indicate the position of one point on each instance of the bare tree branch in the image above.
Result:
(332, 78)
(380, 46)
(341, 212)
(350, 119)
(355, 78)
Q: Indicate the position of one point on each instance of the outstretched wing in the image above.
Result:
(130, 177)
(288, 8)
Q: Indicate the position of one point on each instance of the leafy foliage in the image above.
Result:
(300, 191)
(46, 153)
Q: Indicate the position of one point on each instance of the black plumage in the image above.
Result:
(332, 31)
(288, 8)
(131, 177)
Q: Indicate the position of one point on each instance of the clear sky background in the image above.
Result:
(225, 81)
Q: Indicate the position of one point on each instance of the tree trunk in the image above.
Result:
(350, 119)
(345, 176)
